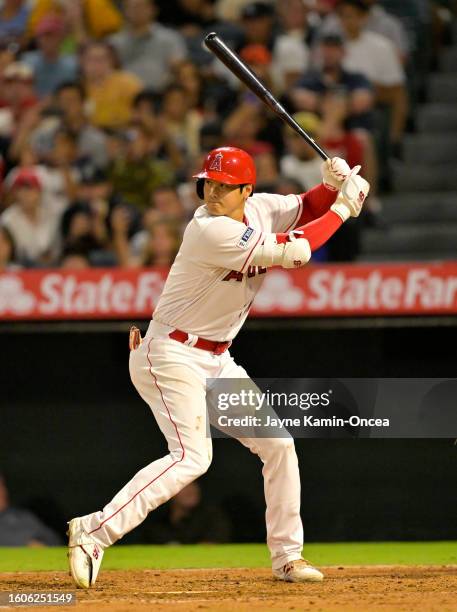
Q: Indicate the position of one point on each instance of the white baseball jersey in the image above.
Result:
(211, 284)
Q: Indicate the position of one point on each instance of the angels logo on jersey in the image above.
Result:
(216, 164)
(251, 271)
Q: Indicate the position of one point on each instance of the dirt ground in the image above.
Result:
(345, 589)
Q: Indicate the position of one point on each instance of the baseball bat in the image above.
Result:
(245, 74)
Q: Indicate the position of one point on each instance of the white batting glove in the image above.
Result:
(334, 172)
(297, 252)
(351, 197)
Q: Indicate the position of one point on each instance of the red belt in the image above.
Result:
(206, 345)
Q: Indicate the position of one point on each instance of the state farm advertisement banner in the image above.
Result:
(316, 291)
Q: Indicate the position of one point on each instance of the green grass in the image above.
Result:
(236, 555)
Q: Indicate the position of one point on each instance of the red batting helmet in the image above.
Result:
(228, 165)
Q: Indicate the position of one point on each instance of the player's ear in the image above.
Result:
(248, 190)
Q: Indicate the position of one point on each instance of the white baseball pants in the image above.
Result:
(171, 378)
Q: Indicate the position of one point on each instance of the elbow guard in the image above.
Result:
(293, 254)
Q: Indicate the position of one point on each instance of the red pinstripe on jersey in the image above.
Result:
(164, 471)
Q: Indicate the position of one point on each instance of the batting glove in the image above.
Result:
(334, 172)
(351, 197)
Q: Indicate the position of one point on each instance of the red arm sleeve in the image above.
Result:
(316, 232)
(316, 202)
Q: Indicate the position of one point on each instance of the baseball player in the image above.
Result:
(227, 248)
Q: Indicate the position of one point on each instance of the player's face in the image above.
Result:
(224, 199)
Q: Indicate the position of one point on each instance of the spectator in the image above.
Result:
(84, 19)
(161, 143)
(14, 15)
(83, 230)
(379, 21)
(210, 136)
(165, 205)
(96, 192)
(257, 20)
(95, 189)
(162, 244)
(303, 165)
(331, 76)
(301, 162)
(7, 251)
(244, 126)
(375, 57)
(388, 25)
(110, 91)
(325, 7)
(259, 59)
(230, 10)
(166, 201)
(208, 94)
(345, 100)
(134, 173)
(267, 171)
(61, 172)
(49, 66)
(190, 79)
(188, 520)
(250, 126)
(146, 48)
(286, 186)
(181, 122)
(74, 258)
(336, 140)
(25, 112)
(58, 168)
(32, 220)
(18, 95)
(57, 172)
(71, 102)
(36, 134)
(8, 53)
(19, 527)
(189, 16)
(156, 246)
(291, 50)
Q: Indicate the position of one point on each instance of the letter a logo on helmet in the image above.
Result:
(216, 164)
(228, 165)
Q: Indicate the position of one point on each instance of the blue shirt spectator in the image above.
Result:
(332, 77)
(50, 68)
(14, 17)
(348, 83)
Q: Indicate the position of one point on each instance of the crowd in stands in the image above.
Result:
(108, 108)
(20, 526)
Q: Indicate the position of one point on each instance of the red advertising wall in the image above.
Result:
(317, 290)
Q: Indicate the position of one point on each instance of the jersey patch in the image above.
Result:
(246, 237)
